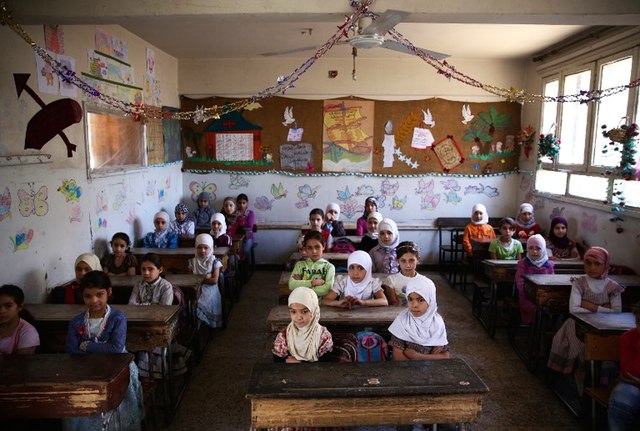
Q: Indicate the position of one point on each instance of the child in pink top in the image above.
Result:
(17, 336)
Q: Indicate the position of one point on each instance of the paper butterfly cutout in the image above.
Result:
(197, 188)
(70, 190)
(278, 192)
(5, 204)
(22, 239)
(32, 202)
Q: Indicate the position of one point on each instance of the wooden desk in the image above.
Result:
(335, 317)
(283, 282)
(61, 385)
(325, 394)
(335, 258)
(555, 289)
(148, 326)
(176, 260)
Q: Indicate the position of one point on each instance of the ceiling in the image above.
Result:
(491, 29)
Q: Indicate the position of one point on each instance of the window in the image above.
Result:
(580, 170)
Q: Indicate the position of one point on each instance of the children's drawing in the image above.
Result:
(120, 199)
(452, 198)
(351, 208)
(76, 214)
(382, 201)
(386, 188)
(197, 188)
(480, 189)
(71, 190)
(278, 192)
(408, 160)
(424, 187)
(263, 203)
(451, 184)
(150, 190)
(102, 202)
(365, 190)
(33, 202)
(388, 145)
(347, 135)
(588, 223)
(430, 201)
(22, 239)
(306, 192)
(102, 223)
(236, 181)
(131, 218)
(5, 204)
(397, 203)
(556, 212)
(343, 195)
(162, 195)
(466, 114)
(288, 116)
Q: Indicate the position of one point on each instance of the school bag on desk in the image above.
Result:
(371, 347)
(343, 245)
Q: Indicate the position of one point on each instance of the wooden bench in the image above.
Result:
(176, 260)
(326, 394)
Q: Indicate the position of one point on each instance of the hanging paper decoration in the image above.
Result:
(388, 144)
(548, 146)
(448, 153)
(466, 114)
(525, 138)
(623, 140)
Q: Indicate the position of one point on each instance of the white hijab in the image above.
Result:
(390, 225)
(485, 215)
(304, 343)
(538, 240)
(363, 259)
(426, 330)
(165, 216)
(220, 219)
(203, 265)
(376, 215)
(334, 206)
(90, 259)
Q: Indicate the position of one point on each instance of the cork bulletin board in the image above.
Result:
(317, 136)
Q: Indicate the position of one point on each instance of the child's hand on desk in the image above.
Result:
(345, 303)
(317, 282)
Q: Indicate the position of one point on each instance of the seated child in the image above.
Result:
(479, 228)
(228, 210)
(102, 329)
(370, 239)
(358, 287)
(384, 254)
(316, 216)
(370, 205)
(121, 261)
(525, 222)
(331, 222)
(70, 292)
(559, 245)
(205, 263)
(395, 285)
(624, 401)
(17, 336)
(535, 262)
(313, 272)
(182, 225)
(593, 292)
(244, 224)
(219, 231)
(505, 247)
(202, 215)
(162, 237)
(419, 331)
(304, 339)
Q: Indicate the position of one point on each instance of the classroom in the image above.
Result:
(64, 191)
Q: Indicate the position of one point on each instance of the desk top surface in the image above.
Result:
(335, 316)
(606, 322)
(181, 280)
(184, 251)
(562, 280)
(336, 380)
(578, 264)
(60, 368)
(136, 314)
(327, 256)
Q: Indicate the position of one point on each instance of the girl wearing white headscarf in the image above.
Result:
(384, 254)
(304, 339)
(331, 223)
(359, 287)
(162, 237)
(219, 231)
(419, 331)
(479, 228)
(70, 293)
(535, 262)
(526, 222)
(205, 263)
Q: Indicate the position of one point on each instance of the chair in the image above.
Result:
(600, 348)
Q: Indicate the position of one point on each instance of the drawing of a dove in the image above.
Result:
(466, 114)
(288, 116)
(428, 119)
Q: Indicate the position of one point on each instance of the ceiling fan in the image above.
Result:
(369, 33)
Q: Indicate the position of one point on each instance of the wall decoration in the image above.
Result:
(67, 88)
(405, 159)
(467, 116)
(295, 156)
(151, 91)
(119, 199)
(102, 41)
(288, 117)
(70, 190)
(364, 190)
(295, 135)
(350, 208)
(588, 223)
(33, 202)
(232, 139)
(110, 69)
(150, 188)
(448, 153)
(278, 192)
(47, 82)
(151, 62)
(263, 203)
(54, 38)
(388, 145)
(422, 138)
(305, 193)
(22, 239)
(548, 146)
(480, 189)
(76, 214)
(51, 120)
(199, 187)
(171, 136)
(345, 194)
(452, 197)
(102, 223)
(411, 120)
(5, 204)
(236, 181)
(154, 142)
(429, 200)
(556, 212)
(397, 203)
(119, 49)
(388, 188)
(347, 136)
(451, 185)
(131, 217)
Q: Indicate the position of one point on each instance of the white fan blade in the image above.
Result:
(396, 46)
(288, 51)
(385, 22)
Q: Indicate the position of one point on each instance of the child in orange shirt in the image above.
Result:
(479, 228)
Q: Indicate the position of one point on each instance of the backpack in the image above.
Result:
(345, 348)
(371, 347)
(343, 245)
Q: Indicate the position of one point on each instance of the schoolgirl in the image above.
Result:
(205, 263)
(121, 261)
(70, 292)
(313, 272)
(535, 262)
(219, 231)
(162, 237)
(479, 228)
(183, 226)
(370, 205)
(559, 245)
(332, 224)
(384, 254)
(526, 225)
(395, 285)
(17, 336)
(370, 239)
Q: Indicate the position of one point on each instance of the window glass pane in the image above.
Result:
(549, 112)
(574, 121)
(630, 191)
(611, 109)
(588, 187)
(551, 182)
